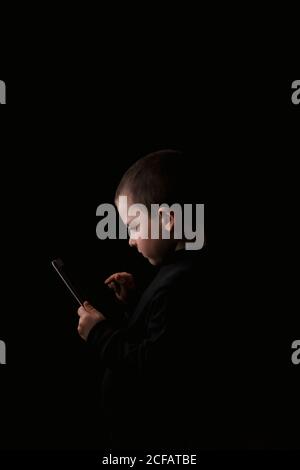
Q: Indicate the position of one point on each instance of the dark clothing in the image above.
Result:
(186, 369)
(156, 360)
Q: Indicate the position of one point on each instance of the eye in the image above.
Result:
(133, 229)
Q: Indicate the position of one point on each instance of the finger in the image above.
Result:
(118, 277)
(110, 278)
(127, 279)
(81, 311)
(121, 278)
(114, 280)
(117, 288)
(88, 307)
(80, 330)
(113, 286)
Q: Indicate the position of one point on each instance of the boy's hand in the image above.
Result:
(122, 284)
(88, 317)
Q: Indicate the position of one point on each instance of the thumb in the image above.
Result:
(88, 307)
(120, 279)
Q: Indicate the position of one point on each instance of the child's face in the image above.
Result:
(139, 228)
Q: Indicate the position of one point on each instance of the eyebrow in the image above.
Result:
(132, 220)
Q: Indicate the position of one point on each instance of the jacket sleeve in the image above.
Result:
(116, 348)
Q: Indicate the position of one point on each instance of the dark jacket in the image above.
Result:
(157, 359)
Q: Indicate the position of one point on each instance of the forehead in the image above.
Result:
(127, 210)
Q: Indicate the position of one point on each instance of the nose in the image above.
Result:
(132, 242)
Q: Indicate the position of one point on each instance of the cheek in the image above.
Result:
(150, 247)
(144, 246)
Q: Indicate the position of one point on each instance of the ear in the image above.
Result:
(167, 219)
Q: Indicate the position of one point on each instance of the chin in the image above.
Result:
(154, 262)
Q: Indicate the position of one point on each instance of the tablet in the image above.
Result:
(58, 265)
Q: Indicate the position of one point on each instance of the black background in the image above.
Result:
(66, 138)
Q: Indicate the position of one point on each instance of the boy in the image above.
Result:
(154, 357)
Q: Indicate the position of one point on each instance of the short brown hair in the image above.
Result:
(155, 179)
